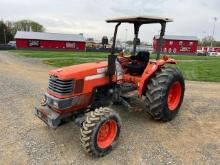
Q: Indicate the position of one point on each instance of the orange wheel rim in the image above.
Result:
(107, 133)
(174, 95)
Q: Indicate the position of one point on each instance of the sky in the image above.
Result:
(191, 17)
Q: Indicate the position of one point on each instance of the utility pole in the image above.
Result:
(213, 32)
(4, 35)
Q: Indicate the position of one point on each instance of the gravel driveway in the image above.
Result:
(193, 137)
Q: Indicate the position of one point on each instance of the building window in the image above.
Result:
(165, 50)
(169, 50)
(171, 42)
(70, 45)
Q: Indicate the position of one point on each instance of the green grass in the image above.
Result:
(205, 69)
(69, 54)
(201, 70)
(54, 54)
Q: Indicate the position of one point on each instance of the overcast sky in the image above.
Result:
(191, 17)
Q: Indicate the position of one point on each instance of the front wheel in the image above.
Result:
(100, 131)
(165, 92)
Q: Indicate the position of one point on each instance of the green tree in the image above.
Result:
(207, 41)
(27, 25)
(5, 33)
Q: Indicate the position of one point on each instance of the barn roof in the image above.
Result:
(49, 36)
(174, 37)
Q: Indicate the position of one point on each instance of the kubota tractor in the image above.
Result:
(82, 93)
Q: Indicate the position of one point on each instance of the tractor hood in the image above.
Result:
(79, 71)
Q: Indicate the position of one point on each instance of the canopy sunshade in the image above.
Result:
(139, 19)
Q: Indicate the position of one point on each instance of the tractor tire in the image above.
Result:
(100, 131)
(164, 95)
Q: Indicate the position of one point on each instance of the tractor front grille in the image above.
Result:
(60, 86)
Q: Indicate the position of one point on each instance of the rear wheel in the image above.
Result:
(100, 131)
(165, 93)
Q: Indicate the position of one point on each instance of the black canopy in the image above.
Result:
(139, 19)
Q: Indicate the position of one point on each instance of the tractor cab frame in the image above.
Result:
(137, 22)
(138, 72)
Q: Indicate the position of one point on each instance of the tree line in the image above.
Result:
(8, 29)
(209, 41)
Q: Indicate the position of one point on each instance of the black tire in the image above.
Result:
(91, 126)
(157, 93)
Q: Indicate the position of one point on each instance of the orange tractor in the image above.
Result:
(83, 93)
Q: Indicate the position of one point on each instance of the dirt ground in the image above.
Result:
(193, 137)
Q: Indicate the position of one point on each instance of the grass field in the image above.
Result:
(196, 68)
(56, 54)
(69, 54)
(201, 70)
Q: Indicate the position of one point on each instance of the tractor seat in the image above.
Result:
(138, 63)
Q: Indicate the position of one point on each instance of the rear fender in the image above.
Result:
(151, 68)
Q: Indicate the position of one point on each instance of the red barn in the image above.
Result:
(177, 44)
(49, 41)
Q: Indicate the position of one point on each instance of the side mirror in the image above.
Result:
(137, 41)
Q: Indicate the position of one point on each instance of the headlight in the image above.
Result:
(55, 104)
(58, 103)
